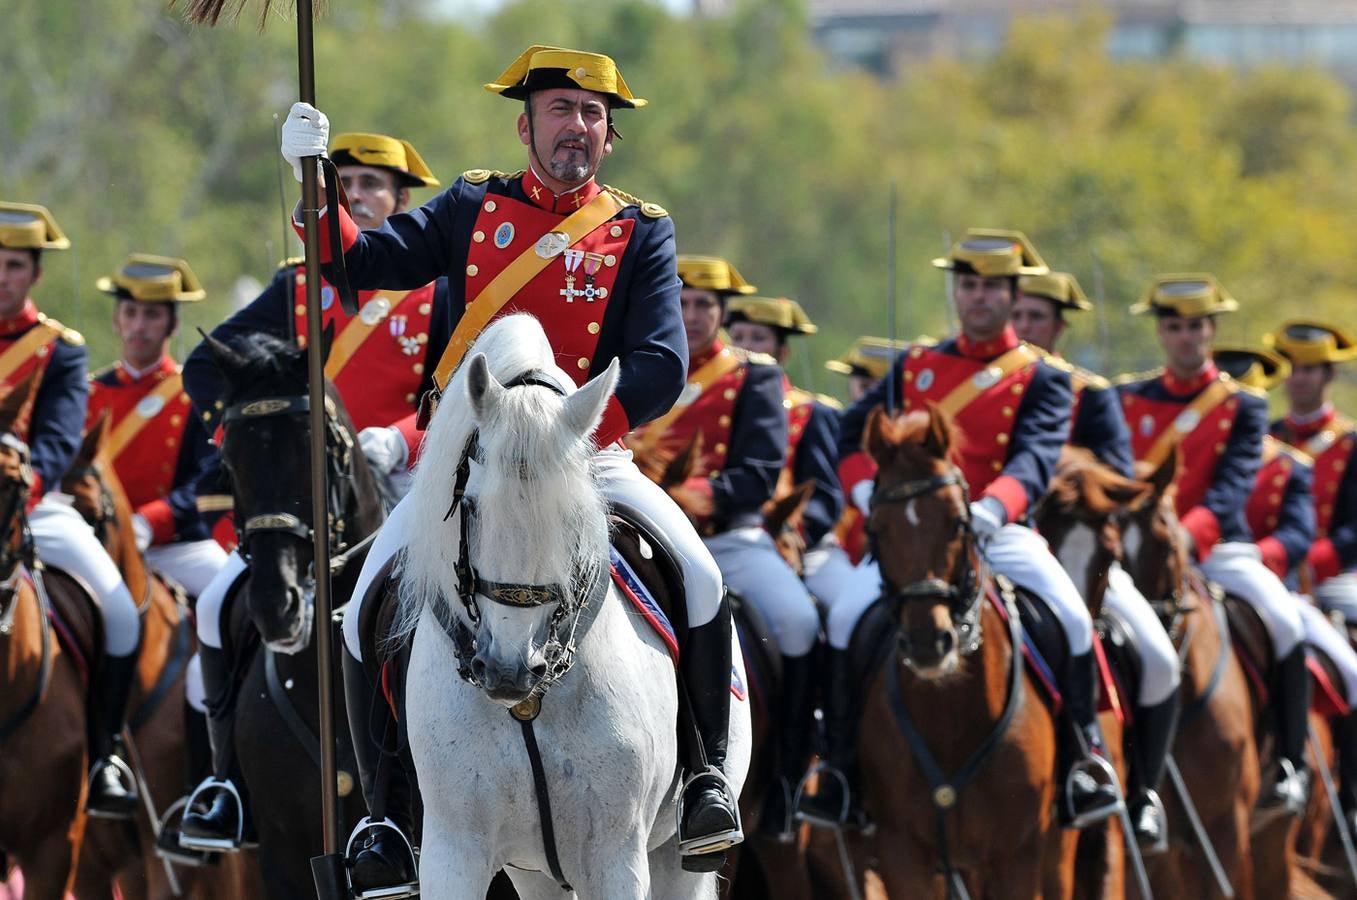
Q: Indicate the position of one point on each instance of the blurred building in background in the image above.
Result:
(882, 35)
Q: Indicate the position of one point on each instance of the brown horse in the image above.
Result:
(1215, 745)
(1079, 519)
(112, 852)
(42, 705)
(949, 671)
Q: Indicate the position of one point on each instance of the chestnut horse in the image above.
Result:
(113, 852)
(42, 704)
(950, 670)
(1215, 745)
(1079, 519)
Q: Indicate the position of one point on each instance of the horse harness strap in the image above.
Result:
(947, 790)
(1198, 703)
(278, 694)
(180, 651)
(539, 784)
(12, 586)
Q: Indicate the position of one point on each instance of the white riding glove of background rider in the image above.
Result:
(861, 495)
(305, 133)
(987, 517)
(141, 531)
(384, 448)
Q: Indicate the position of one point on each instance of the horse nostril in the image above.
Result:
(478, 668)
(539, 671)
(945, 642)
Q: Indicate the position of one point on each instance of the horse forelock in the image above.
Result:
(540, 517)
(908, 435)
(267, 365)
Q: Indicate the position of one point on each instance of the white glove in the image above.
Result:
(141, 532)
(861, 495)
(987, 517)
(305, 133)
(384, 448)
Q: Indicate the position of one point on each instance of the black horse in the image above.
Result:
(265, 452)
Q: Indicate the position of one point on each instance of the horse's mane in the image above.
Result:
(1083, 482)
(547, 522)
(262, 359)
(919, 439)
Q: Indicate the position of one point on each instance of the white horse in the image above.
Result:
(537, 526)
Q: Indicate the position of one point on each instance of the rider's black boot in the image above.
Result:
(215, 820)
(710, 820)
(1084, 799)
(794, 727)
(1345, 745)
(1151, 741)
(380, 857)
(1291, 790)
(197, 766)
(837, 798)
(113, 788)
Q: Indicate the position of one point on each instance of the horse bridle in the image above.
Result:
(558, 650)
(963, 598)
(14, 511)
(339, 456)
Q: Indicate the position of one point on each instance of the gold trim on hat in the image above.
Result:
(591, 71)
(712, 273)
(1266, 368)
(775, 312)
(153, 279)
(1060, 288)
(995, 252)
(371, 149)
(1192, 295)
(1307, 342)
(28, 226)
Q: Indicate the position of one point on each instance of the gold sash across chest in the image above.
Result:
(358, 329)
(712, 371)
(961, 396)
(134, 421)
(23, 348)
(1192, 415)
(512, 279)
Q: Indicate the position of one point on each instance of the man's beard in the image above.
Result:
(572, 169)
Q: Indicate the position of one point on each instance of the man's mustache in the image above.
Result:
(582, 140)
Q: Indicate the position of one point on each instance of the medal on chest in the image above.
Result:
(582, 261)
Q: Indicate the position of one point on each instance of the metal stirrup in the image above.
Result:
(394, 892)
(714, 843)
(215, 845)
(1090, 764)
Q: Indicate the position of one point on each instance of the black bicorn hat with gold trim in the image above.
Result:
(712, 273)
(993, 252)
(28, 226)
(780, 313)
(153, 279)
(361, 148)
(1255, 367)
(542, 67)
(1061, 288)
(1191, 296)
(1306, 342)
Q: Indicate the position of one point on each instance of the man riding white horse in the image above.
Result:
(598, 269)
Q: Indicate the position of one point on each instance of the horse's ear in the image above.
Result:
(1161, 477)
(93, 442)
(584, 408)
(227, 359)
(17, 406)
(874, 438)
(938, 440)
(1128, 493)
(482, 387)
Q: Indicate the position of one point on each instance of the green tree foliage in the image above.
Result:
(142, 133)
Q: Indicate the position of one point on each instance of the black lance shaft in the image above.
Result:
(320, 513)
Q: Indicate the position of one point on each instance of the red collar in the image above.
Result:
(987, 350)
(1180, 387)
(162, 370)
(562, 204)
(697, 362)
(26, 319)
(1307, 429)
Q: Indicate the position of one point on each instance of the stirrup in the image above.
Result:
(393, 892)
(177, 855)
(215, 845)
(711, 843)
(824, 769)
(1291, 805)
(125, 775)
(1160, 846)
(1088, 764)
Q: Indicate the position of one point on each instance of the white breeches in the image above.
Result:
(191, 563)
(65, 540)
(195, 692)
(1159, 668)
(621, 482)
(1238, 568)
(828, 572)
(1339, 593)
(1016, 552)
(214, 595)
(753, 569)
(1320, 632)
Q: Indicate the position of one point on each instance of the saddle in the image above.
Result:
(76, 619)
(1327, 698)
(1252, 645)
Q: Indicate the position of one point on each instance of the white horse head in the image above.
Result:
(537, 519)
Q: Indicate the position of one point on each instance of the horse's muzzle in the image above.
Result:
(507, 685)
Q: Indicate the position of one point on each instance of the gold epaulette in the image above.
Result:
(649, 210)
(748, 356)
(1248, 389)
(292, 262)
(831, 402)
(481, 176)
(215, 503)
(1133, 377)
(1298, 455)
(1092, 380)
(96, 375)
(68, 335)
